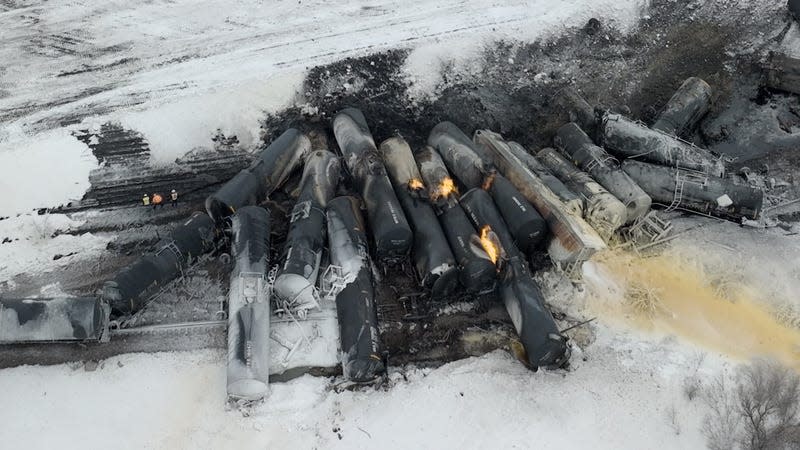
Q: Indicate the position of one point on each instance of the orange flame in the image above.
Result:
(488, 180)
(489, 245)
(415, 184)
(446, 188)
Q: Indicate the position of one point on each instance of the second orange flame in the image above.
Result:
(489, 245)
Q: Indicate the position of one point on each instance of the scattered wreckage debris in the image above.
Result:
(477, 243)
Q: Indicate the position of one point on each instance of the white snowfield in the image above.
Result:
(178, 70)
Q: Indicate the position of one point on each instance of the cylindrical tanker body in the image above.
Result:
(633, 140)
(441, 188)
(526, 225)
(126, 292)
(685, 108)
(544, 345)
(573, 240)
(570, 198)
(388, 225)
(52, 319)
(604, 168)
(433, 259)
(248, 306)
(269, 170)
(463, 159)
(604, 212)
(355, 303)
(476, 271)
(696, 191)
(305, 241)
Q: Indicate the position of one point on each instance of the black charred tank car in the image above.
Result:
(127, 292)
(433, 259)
(269, 171)
(388, 225)
(544, 345)
(355, 303)
(463, 158)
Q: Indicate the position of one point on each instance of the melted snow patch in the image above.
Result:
(43, 170)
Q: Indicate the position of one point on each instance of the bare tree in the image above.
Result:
(761, 412)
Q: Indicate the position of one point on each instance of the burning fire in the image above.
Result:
(488, 180)
(446, 188)
(415, 184)
(489, 243)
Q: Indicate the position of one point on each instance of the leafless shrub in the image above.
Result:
(644, 299)
(761, 410)
(692, 383)
(788, 315)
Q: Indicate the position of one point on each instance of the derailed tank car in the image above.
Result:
(269, 170)
(433, 259)
(52, 319)
(544, 345)
(248, 306)
(475, 271)
(388, 225)
(696, 191)
(127, 292)
(462, 158)
(305, 242)
(355, 304)
(604, 168)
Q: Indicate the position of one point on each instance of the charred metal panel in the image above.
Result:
(248, 306)
(604, 168)
(388, 225)
(463, 159)
(630, 139)
(433, 259)
(685, 108)
(696, 191)
(355, 304)
(126, 292)
(305, 241)
(437, 180)
(604, 212)
(52, 319)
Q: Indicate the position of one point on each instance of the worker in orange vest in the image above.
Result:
(146, 200)
(157, 201)
(174, 196)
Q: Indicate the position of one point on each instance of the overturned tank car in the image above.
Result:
(387, 222)
(305, 241)
(355, 303)
(433, 260)
(52, 319)
(126, 293)
(267, 172)
(248, 306)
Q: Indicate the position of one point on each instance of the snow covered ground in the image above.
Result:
(178, 70)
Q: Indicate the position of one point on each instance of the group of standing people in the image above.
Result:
(158, 201)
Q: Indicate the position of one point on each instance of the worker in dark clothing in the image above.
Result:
(146, 200)
(158, 201)
(174, 196)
